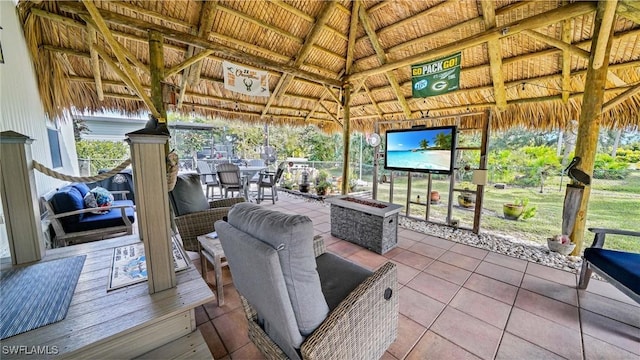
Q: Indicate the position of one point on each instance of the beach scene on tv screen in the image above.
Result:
(428, 149)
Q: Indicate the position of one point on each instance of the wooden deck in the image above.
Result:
(122, 323)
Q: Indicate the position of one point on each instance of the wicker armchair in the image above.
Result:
(194, 214)
(362, 321)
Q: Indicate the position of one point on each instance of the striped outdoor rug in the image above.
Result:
(37, 295)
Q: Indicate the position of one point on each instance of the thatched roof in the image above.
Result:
(530, 41)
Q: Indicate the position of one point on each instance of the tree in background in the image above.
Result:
(102, 154)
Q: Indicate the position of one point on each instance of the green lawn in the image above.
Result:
(613, 204)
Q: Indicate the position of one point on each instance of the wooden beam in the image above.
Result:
(315, 107)
(353, 32)
(630, 9)
(117, 50)
(567, 33)
(112, 64)
(230, 53)
(149, 13)
(536, 21)
(95, 62)
(382, 58)
(329, 112)
(373, 101)
(606, 28)
(188, 62)
(495, 56)
(560, 44)
(414, 18)
(156, 65)
(132, 58)
(346, 136)
(260, 23)
(457, 28)
(58, 18)
(301, 14)
(591, 112)
(311, 38)
(204, 28)
(620, 98)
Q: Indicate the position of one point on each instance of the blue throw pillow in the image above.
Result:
(68, 199)
(82, 188)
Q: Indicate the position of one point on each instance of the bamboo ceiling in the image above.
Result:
(524, 61)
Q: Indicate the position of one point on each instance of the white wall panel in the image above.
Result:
(20, 107)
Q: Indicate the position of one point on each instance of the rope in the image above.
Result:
(87, 179)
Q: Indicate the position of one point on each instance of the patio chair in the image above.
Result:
(209, 178)
(269, 180)
(194, 214)
(230, 179)
(621, 269)
(301, 302)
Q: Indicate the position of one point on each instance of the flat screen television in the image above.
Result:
(427, 150)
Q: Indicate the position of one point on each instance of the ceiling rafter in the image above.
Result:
(353, 32)
(311, 38)
(382, 58)
(95, 61)
(630, 9)
(231, 53)
(495, 56)
(567, 32)
(301, 14)
(117, 50)
(447, 31)
(240, 43)
(191, 75)
(540, 20)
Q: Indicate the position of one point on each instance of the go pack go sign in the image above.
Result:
(436, 77)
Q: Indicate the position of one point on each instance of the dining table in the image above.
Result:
(247, 173)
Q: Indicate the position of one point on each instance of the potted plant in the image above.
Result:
(322, 176)
(322, 188)
(466, 199)
(435, 197)
(518, 209)
(561, 244)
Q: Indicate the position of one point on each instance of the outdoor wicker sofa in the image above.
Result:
(300, 301)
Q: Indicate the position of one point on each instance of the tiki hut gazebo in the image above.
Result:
(343, 65)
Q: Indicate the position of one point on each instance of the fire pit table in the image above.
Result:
(369, 223)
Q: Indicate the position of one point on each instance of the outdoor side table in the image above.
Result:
(211, 251)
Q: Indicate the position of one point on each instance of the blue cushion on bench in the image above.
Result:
(68, 199)
(98, 221)
(82, 187)
(622, 266)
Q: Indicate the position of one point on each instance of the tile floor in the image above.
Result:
(461, 302)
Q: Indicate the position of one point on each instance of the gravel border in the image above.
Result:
(506, 245)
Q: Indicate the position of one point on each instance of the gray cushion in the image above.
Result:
(187, 196)
(292, 237)
(258, 277)
(339, 277)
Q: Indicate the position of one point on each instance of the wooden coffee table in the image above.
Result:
(211, 251)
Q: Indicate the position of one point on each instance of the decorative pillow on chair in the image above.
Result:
(98, 197)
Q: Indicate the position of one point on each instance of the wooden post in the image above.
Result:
(152, 206)
(20, 199)
(589, 124)
(376, 161)
(346, 138)
(484, 146)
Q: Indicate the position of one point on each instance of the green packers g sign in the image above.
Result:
(436, 77)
